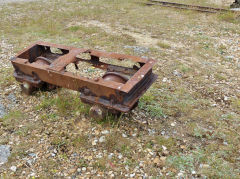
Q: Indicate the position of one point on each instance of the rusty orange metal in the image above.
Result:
(118, 89)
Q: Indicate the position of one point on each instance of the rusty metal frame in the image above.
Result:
(110, 94)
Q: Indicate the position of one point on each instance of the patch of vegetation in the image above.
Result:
(80, 141)
(11, 118)
(110, 119)
(170, 143)
(101, 164)
(184, 68)
(220, 77)
(236, 103)
(7, 78)
(116, 142)
(228, 17)
(19, 151)
(210, 164)
(82, 163)
(60, 143)
(163, 45)
(65, 102)
(150, 105)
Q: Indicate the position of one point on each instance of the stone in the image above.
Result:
(2, 110)
(32, 174)
(94, 142)
(204, 166)
(72, 170)
(53, 154)
(124, 135)
(156, 160)
(164, 148)
(164, 80)
(30, 162)
(132, 175)
(110, 156)
(165, 152)
(173, 124)
(120, 156)
(176, 73)
(180, 175)
(160, 162)
(105, 132)
(32, 155)
(13, 168)
(183, 147)
(102, 139)
(4, 153)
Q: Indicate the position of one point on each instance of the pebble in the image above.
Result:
(176, 73)
(226, 98)
(180, 174)
(124, 135)
(2, 110)
(132, 175)
(94, 142)
(72, 170)
(102, 139)
(165, 152)
(164, 148)
(156, 160)
(105, 132)
(13, 168)
(110, 156)
(205, 166)
(4, 153)
(164, 80)
(55, 151)
(30, 162)
(33, 174)
(120, 156)
(53, 154)
(84, 169)
(173, 124)
(32, 155)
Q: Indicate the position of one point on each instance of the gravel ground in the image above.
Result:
(186, 125)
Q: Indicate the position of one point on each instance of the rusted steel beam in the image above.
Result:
(188, 6)
(118, 89)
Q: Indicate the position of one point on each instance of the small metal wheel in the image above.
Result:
(97, 112)
(27, 88)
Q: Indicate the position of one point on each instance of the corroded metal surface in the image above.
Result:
(188, 6)
(236, 4)
(118, 89)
